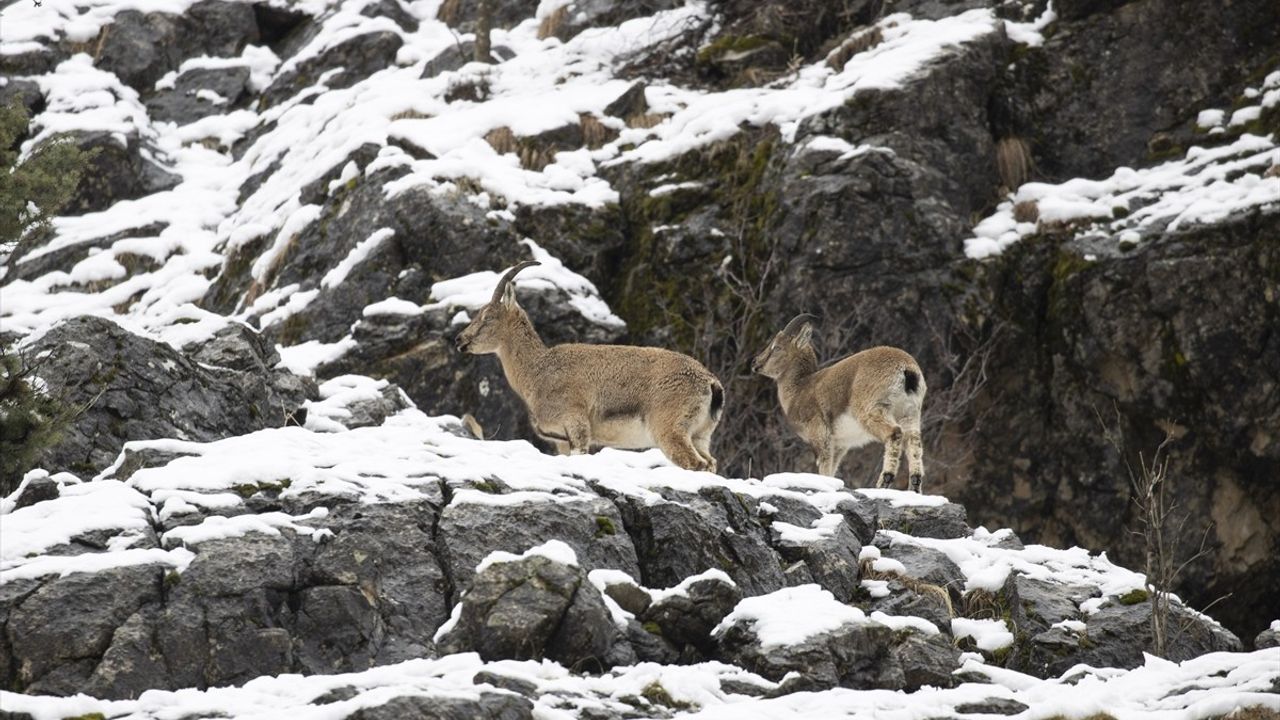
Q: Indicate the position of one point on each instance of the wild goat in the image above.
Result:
(583, 396)
(876, 394)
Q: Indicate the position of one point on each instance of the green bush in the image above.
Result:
(30, 419)
(37, 188)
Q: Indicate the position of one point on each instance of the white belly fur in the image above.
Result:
(626, 434)
(849, 433)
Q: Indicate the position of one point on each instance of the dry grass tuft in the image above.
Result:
(1273, 171)
(861, 42)
(867, 571)
(552, 24)
(449, 11)
(502, 140)
(645, 121)
(410, 114)
(594, 132)
(1026, 211)
(1013, 162)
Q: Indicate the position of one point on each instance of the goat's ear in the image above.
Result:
(804, 337)
(509, 294)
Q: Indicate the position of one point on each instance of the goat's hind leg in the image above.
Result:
(678, 446)
(915, 459)
(882, 426)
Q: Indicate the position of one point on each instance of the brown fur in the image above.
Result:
(583, 396)
(859, 399)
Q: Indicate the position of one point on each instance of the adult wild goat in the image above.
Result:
(582, 396)
(876, 395)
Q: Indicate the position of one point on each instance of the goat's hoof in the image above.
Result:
(916, 482)
(886, 480)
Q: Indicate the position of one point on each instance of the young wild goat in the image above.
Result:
(872, 395)
(583, 396)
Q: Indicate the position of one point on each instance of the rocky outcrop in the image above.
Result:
(124, 387)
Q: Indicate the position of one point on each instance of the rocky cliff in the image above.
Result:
(1069, 213)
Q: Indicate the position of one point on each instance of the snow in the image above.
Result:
(474, 291)
(554, 550)
(988, 635)
(392, 306)
(791, 615)
(304, 358)
(820, 529)
(362, 250)
(81, 509)
(220, 528)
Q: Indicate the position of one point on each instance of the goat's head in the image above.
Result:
(794, 342)
(485, 332)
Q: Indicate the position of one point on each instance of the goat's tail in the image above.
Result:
(911, 381)
(717, 400)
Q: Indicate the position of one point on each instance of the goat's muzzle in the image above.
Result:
(461, 343)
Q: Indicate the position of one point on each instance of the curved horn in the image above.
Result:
(506, 279)
(796, 323)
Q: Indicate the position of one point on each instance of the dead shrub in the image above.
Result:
(861, 42)
(448, 13)
(594, 132)
(553, 23)
(1013, 162)
(645, 121)
(502, 140)
(1026, 211)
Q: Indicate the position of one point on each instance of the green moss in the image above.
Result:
(653, 628)
(656, 694)
(727, 44)
(486, 486)
(172, 578)
(604, 526)
(1134, 596)
(87, 716)
(293, 328)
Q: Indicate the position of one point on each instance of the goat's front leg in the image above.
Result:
(578, 430)
(829, 457)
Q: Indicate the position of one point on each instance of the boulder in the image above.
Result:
(591, 526)
(861, 656)
(535, 607)
(134, 388)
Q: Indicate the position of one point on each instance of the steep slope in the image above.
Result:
(340, 177)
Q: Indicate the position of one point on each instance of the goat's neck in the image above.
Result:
(795, 383)
(519, 353)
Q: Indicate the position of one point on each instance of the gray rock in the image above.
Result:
(687, 619)
(490, 706)
(183, 104)
(469, 532)
(536, 607)
(357, 58)
(367, 412)
(926, 565)
(1035, 605)
(992, 706)
(1117, 636)
(1267, 638)
(693, 533)
(831, 562)
(57, 632)
(117, 172)
(36, 490)
(915, 601)
(943, 522)
(140, 48)
(861, 656)
(133, 388)
(387, 552)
